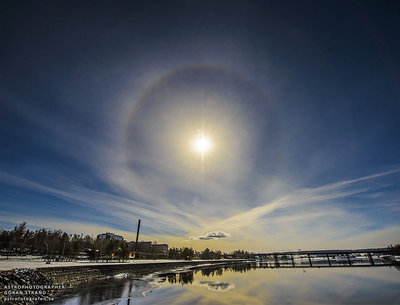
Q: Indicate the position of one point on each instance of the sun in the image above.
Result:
(202, 144)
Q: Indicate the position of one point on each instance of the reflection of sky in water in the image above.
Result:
(358, 285)
(362, 285)
(111, 292)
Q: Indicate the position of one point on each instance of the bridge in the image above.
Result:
(329, 257)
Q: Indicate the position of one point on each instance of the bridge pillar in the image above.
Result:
(329, 262)
(371, 260)
(277, 264)
(348, 258)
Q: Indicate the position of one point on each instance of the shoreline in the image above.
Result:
(11, 264)
(78, 273)
(73, 276)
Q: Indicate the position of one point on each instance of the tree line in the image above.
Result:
(395, 250)
(53, 244)
(189, 253)
(61, 245)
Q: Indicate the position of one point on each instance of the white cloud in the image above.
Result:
(211, 235)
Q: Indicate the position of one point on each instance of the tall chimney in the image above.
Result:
(137, 237)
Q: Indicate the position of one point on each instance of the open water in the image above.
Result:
(248, 283)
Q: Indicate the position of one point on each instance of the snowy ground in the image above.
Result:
(32, 262)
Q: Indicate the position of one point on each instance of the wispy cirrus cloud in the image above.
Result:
(309, 197)
(324, 215)
(178, 204)
(293, 218)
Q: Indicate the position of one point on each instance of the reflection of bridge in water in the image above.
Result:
(326, 258)
(287, 260)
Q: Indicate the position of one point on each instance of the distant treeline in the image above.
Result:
(395, 249)
(189, 253)
(22, 241)
(61, 245)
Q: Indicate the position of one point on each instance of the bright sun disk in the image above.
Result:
(202, 144)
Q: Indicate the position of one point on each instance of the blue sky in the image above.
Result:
(100, 101)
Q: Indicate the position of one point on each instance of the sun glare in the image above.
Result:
(202, 144)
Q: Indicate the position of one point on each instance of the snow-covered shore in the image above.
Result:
(14, 263)
(33, 263)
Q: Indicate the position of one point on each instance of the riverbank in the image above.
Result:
(72, 276)
(36, 262)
